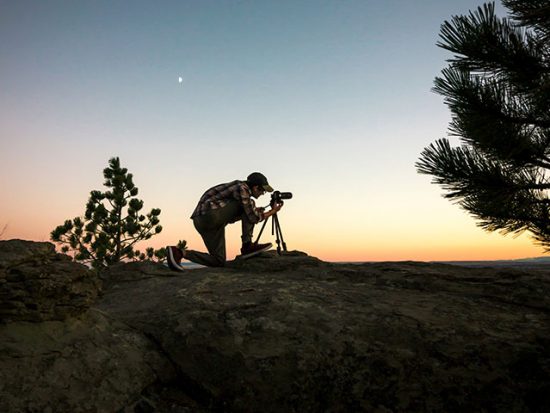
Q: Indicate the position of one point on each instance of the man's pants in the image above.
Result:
(211, 226)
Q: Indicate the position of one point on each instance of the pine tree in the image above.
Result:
(112, 223)
(497, 87)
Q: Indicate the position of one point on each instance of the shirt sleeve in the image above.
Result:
(249, 206)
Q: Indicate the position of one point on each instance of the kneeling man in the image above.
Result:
(221, 205)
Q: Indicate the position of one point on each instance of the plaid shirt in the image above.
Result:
(218, 196)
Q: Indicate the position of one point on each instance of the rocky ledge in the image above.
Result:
(295, 334)
(37, 284)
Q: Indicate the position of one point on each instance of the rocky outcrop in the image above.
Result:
(289, 334)
(86, 364)
(37, 284)
(294, 334)
(57, 355)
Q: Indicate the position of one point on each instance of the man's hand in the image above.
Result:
(274, 209)
(277, 207)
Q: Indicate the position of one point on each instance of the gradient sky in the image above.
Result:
(331, 100)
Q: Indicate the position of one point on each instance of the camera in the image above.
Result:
(277, 197)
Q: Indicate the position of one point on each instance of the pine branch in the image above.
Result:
(483, 42)
(532, 13)
(142, 234)
(545, 163)
(466, 92)
(81, 245)
(497, 86)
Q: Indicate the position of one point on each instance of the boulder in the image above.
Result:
(294, 334)
(38, 284)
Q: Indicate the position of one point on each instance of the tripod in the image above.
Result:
(275, 230)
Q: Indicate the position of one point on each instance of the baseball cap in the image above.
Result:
(256, 178)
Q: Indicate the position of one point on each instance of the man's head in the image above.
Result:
(257, 182)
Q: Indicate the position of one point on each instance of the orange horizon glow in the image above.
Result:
(433, 230)
(486, 247)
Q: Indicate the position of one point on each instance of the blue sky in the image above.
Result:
(330, 99)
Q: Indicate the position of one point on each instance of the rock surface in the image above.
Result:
(37, 284)
(57, 355)
(85, 364)
(294, 334)
(278, 334)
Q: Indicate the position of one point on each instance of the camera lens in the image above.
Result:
(278, 196)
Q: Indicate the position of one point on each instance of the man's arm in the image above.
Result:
(274, 209)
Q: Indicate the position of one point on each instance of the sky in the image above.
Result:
(331, 100)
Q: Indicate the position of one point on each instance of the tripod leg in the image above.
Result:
(275, 231)
(261, 230)
(280, 239)
(281, 235)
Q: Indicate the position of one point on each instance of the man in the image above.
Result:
(222, 205)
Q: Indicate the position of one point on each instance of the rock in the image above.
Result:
(285, 333)
(87, 364)
(118, 275)
(294, 334)
(15, 251)
(37, 284)
(270, 261)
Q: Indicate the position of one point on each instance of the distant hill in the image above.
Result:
(520, 262)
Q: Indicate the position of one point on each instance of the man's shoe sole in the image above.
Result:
(252, 254)
(171, 261)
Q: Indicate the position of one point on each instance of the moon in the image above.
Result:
(180, 79)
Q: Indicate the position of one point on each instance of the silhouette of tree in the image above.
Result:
(497, 87)
(112, 223)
